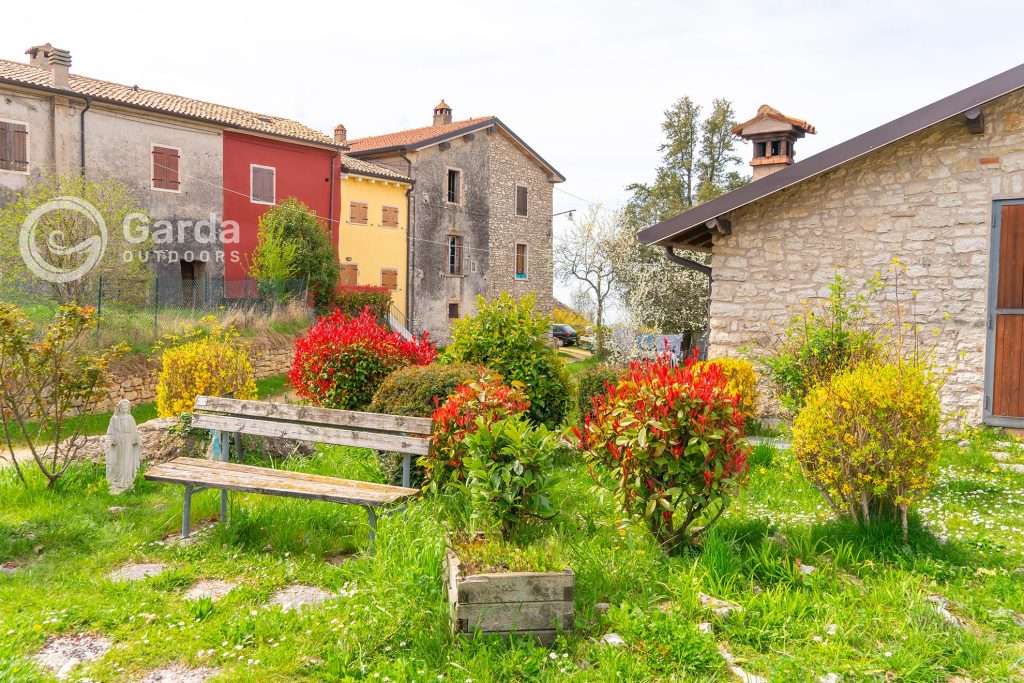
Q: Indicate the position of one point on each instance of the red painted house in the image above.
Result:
(260, 172)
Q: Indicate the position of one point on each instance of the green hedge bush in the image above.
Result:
(591, 382)
(416, 391)
(508, 336)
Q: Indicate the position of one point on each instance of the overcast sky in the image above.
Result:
(584, 83)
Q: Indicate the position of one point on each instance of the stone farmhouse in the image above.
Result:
(941, 188)
(480, 215)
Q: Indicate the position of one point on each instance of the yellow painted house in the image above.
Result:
(373, 244)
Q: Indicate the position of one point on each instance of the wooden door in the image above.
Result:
(1006, 324)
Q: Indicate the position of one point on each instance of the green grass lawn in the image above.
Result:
(863, 613)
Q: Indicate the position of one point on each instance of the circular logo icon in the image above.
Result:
(74, 260)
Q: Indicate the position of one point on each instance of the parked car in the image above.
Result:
(565, 335)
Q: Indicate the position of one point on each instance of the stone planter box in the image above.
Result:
(535, 604)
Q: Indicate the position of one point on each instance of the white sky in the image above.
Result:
(584, 83)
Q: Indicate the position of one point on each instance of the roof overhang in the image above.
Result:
(691, 228)
(112, 102)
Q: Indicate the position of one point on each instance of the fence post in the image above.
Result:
(156, 308)
(99, 307)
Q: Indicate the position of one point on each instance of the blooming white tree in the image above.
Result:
(584, 256)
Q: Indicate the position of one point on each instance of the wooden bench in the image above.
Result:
(225, 417)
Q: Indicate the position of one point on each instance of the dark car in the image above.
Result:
(565, 335)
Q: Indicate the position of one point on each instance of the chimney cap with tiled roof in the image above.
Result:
(442, 113)
(774, 136)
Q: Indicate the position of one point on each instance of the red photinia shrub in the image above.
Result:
(342, 361)
(480, 402)
(669, 439)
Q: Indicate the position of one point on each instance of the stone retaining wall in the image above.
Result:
(135, 378)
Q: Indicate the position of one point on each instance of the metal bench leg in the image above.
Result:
(406, 470)
(186, 512)
(224, 506)
(371, 515)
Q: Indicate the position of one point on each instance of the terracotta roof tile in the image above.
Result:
(768, 112)
(134, 96)
(414, 136)
(358, 166)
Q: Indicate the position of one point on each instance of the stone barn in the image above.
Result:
(941, 188)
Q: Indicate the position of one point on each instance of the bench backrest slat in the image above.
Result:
(316, 433)
(351, 419)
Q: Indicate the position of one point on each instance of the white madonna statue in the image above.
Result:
(124, 449)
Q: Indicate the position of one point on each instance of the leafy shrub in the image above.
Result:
(741, 379)
(474, 404)
(508, 468)
(592, 382)
(342, 361)
(820, 344)
(354, 300)
(44, 381)
(669, 439)
(417, 390)
(294, 245)
(869, 439)
(508, 336)
(212, 365)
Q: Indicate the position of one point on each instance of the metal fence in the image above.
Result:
(141, 311)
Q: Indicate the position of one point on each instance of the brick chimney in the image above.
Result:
(442, 113)
(340, 134)
(774, 136)
(54, 60)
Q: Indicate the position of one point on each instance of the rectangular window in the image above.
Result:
(358, 213)
(166, 169)
(349, 275)
(454, 255)
(389, 217)
(13, 147)
(453, 311)
(262, 184)
(522, 203)
(454, 186)
(389, 278)
(760, 149)
(521, 262)
(776, 148)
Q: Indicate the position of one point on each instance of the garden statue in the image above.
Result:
(123, 449)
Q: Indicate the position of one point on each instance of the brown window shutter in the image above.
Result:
(349, 274)
(171, 165)
(364, 214)
(359, 213)
(18, 136)
(389, 278)
(158, 168)
(389, 216)
(6, 147)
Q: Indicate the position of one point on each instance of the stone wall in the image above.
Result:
(510, 167)
(926, 199)
(135, 378)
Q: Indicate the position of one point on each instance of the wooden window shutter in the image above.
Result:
(389, 216)
(522, 200)
(359, 213)
(18, 135)
(349, 274)
(389, 278)
(6, 146)
(263, 185)
(165, 168)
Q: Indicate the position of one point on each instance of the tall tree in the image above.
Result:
(698, 163)
(584, 256)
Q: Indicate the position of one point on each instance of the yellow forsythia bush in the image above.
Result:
(868, 439)
(741, 379)
(213, 366)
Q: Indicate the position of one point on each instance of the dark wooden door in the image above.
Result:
(1008, 315)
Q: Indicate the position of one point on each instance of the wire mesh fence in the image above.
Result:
(140, 312)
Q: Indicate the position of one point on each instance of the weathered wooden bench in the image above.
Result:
(227, 419)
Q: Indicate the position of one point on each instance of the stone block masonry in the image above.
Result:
(926, 199)
(135, 378)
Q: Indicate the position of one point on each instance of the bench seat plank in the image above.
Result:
(309, 432)
(247, 478)
(412, 426)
